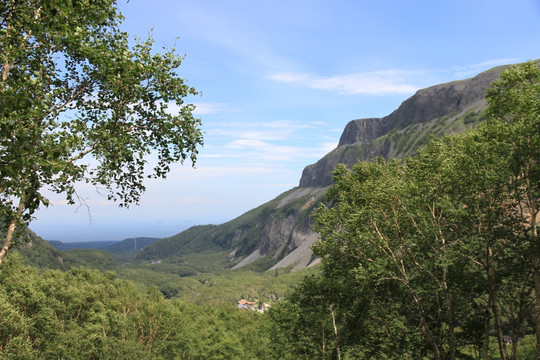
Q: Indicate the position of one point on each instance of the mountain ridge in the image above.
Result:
(449, 99)
(279, 233)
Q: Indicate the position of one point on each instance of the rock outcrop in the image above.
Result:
(279, 233)
(444, 100)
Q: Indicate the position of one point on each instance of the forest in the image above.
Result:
(436, 256)
(432, 257)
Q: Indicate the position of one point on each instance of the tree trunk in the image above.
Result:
(485, 353)
(10, 231)
(492, 283)
(335, 332)
(536, 263)
(449, 309)
(323, 343)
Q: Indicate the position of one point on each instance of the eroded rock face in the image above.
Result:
(288, 232)
(361, 130)
(426, 105)
(281, 233)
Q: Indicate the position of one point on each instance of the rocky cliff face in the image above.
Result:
(279, 233)
(444, 100)
(434, 111)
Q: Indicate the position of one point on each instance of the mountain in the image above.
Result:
(41, 253)
(433, 111)
(128, 245)
(81, 244)
(279, 233)
(36, 251)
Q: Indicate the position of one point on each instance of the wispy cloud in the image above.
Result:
(267, 142)
(375, 82)
(258, 150)
(236, 171)
(474, 69)
(279, 130)
(200, 108)
(209, 108)
(264, 150)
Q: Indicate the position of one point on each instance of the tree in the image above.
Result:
(434, 240)
(395, 235)
(512, 128)
(72, 87)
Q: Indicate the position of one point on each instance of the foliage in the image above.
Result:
(80, 244)
(90, 258)
(71, 86)
(188, 241)
(433, 256)
(513, 130)
(88, 314)
(38, 252)
(215, 287)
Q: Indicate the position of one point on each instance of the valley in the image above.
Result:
(393, 238)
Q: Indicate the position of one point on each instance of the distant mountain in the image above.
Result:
(124, 250)
(131, 244)
(279, 233)
(81, 244)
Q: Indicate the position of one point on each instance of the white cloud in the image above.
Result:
(268, 151)
(279, 130)
(208, 108)
(200, 108)
(375, 82)
(267, 142)
(474, 69)
(288, 124)
(234, 170)
(193, 199)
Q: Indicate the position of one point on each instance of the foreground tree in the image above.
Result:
(512, 129)
(448, 238)
(71, 87)
(393, 231)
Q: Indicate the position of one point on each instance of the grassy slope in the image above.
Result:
(241, 234)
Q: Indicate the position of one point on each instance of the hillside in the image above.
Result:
(269, 233)
(35, 251)
(60, 245)
(279, 234)
(128, 245)
(433, 111)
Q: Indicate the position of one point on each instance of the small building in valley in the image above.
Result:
(244, 304)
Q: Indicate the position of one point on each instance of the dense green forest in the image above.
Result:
(432, 257)
(437, 256)
(88, 314)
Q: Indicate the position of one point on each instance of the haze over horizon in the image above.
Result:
(279, 82)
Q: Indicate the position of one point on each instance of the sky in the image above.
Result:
(278, 82)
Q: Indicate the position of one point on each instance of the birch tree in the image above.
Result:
(512, 129)
(73, 87)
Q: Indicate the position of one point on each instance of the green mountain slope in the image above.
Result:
(129, 245)
(260, 228)
(278, 234)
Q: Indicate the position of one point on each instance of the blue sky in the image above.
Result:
(279, 80)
